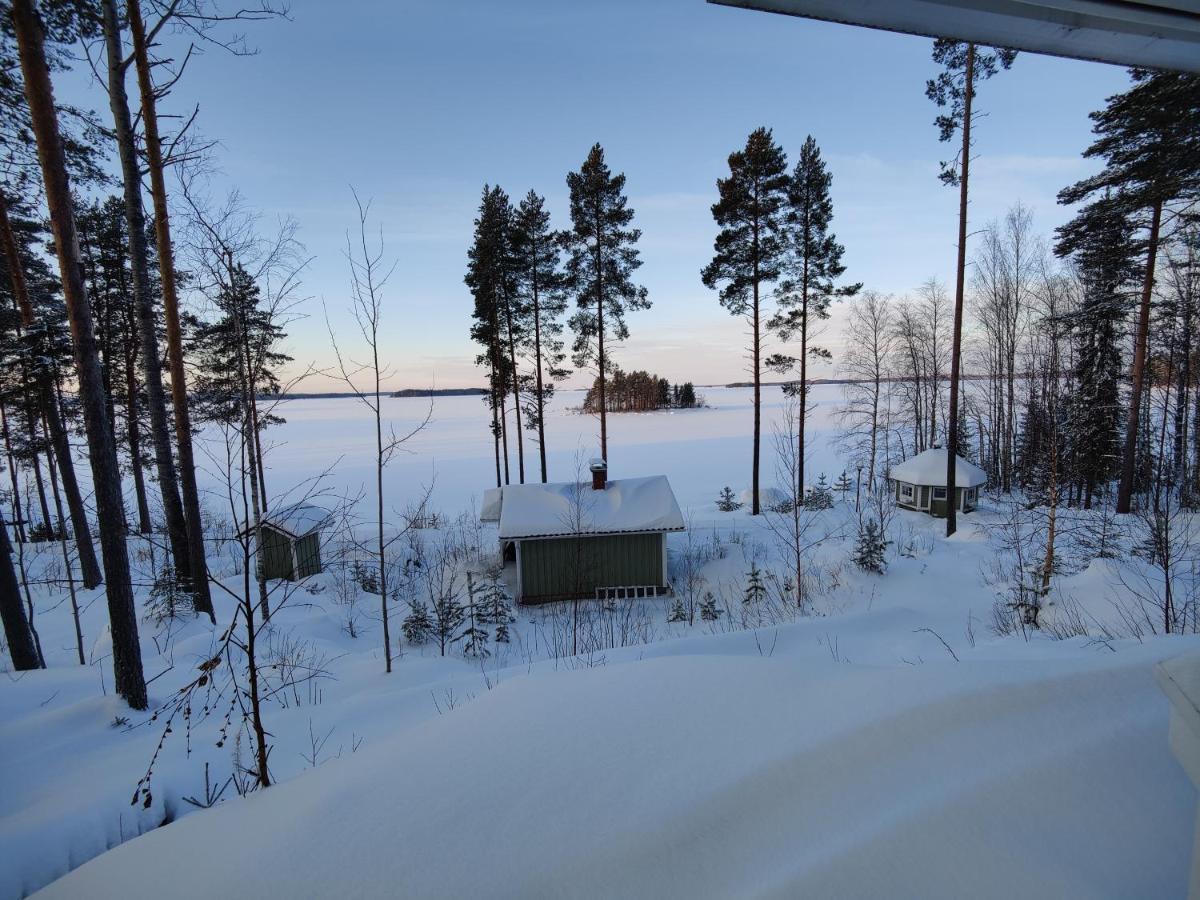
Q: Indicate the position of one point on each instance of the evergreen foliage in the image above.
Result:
(727, 502)
(417, 626)
(709, 611)
(869, 552)
(756, 590)
(819, 496)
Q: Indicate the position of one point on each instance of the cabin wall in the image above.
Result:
(308, 555)
(274, 554)
(562, 568)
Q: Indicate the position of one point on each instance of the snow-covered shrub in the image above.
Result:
(417, 627)
(869, 552)
(819, 495)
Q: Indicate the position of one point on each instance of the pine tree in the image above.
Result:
(755, 590)
(602, 257)
(748, 251)
(677, 612)
(474, 637)
(871, 547)
(490, 274)
(727, 502)
(687, 396)
(1149, 139)
(417, 626)
(106, 478)
(843, 484)
(21, 648)
(813, 264)
(448, 616)
(539, 283)
(709, 612)
(964, 65)
(820, 497)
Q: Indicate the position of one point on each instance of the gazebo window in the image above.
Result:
(906, 491)
(939, 493)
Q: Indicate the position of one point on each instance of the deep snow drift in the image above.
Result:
(886, 743)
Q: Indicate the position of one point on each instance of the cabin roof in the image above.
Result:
(929, 468)
(626, 505)
(296, 521)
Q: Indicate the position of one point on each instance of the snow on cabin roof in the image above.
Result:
(297, 520)
(550, 510)
(929, 468)
(492, 499)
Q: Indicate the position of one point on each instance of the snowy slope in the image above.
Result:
(720, 772)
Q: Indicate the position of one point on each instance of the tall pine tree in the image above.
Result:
(602, 257)
(748, 252)
(813, 263)
(964, 65)
(1149, 139)
(539, 284)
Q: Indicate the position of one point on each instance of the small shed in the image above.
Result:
(289, 541)
(920, 482)
(574, 540)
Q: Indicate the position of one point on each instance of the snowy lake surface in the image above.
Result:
(454, 454)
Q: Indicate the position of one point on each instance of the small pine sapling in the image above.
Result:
(869, 554)
(709, 611)
(843, 484)
(726, 502)
(677, 613)
(474, 638)
(755, 589)
(820, 497)
(417, 626)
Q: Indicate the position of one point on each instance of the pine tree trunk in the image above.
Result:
(143, 295)
(66, 556)
(803, 417)
(600, 336)
(166, 265)
(16, 627)
(512, 361)
(14, 483)
(756, 365)
(495, 404)
(89, 566)
(959, 290)
(1129, 459)
(541, 390)
(127, 658)
(133, 437)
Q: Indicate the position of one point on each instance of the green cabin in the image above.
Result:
(574, 540)
(289, 542)
(920, 483)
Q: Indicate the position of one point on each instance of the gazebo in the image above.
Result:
(289, 541)
(920, 482)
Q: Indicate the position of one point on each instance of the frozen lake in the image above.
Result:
(453, 454)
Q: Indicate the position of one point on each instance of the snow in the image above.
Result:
(844, 752)
(489, 511)
(624, 505)
(929, 468)
(716, 772)
(298, 519)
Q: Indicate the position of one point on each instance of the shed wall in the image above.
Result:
(555, 568)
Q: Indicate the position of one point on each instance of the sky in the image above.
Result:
(416, 105)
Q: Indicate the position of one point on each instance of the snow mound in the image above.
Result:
(720, 775)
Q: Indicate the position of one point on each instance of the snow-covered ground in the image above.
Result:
(886, 743)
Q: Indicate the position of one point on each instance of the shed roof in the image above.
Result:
(297, 520)
(553, 510)
(929, 468)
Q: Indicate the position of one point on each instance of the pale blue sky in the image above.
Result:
(417, 104)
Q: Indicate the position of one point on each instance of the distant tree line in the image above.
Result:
(639, 391)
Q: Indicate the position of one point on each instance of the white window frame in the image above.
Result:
(906, 492)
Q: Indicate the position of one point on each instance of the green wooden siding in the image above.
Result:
(308, 555)
(274, 554)
(577, 566)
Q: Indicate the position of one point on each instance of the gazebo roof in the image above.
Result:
(929, 469)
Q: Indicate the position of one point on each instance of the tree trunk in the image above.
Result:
(959, 289)
(756, 365)
(16, 628)
(512, 360)
(143, 295)
(600, 338)
(1129, 459)
(166, 266)
(89, 566)
(127, 658)
(537, 350)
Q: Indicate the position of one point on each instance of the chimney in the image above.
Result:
(599, 474)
